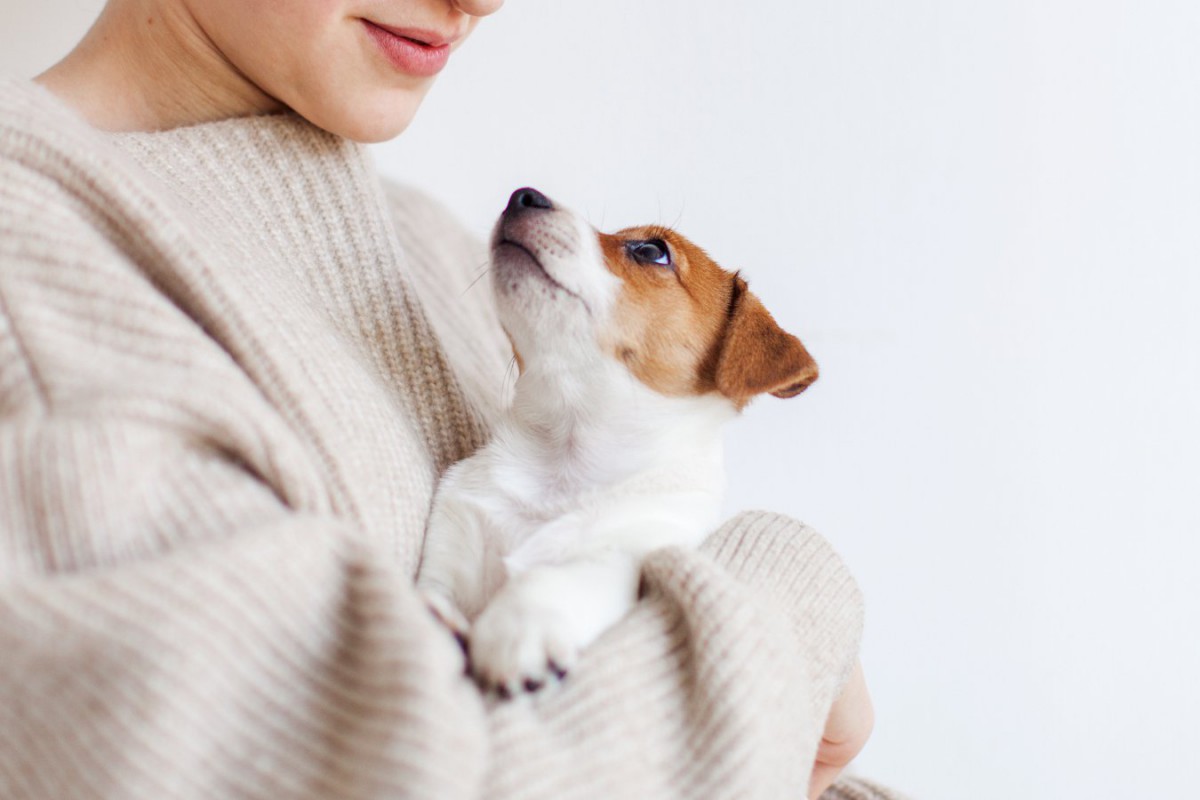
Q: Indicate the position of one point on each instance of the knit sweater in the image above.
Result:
(233, 364)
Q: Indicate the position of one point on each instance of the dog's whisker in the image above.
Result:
(507, 372)
(477, 279)
(679, 216)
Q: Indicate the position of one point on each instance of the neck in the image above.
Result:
(148, 65)
(598, 424)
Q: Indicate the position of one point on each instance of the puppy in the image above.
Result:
(634, 349)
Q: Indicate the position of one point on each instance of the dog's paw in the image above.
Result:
(515, 647)
(445, 612)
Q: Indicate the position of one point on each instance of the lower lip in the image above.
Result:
(408, 56)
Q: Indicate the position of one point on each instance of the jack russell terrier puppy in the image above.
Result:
(634, 349)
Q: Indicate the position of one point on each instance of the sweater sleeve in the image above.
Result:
(448, 266)
(251, 652)
(264, 653)
(182, 613)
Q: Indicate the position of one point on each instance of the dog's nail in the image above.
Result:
(504, 692)
(532, 685)
(461, 638)
(558, 671)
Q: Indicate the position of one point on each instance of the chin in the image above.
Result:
(377, 117)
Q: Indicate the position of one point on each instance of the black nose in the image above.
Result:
(528, 198)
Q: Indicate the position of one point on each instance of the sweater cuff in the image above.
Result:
(851, 787)
(792, 568)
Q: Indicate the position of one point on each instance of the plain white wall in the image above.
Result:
(984, 220)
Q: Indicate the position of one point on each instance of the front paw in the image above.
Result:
(445, 612)
(517, 647)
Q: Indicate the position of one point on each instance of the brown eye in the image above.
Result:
(649, 251)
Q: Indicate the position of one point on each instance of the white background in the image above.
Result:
(984, 220)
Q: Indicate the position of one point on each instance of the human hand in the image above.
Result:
(846, 731)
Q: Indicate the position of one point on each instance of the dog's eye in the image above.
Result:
(650, 251)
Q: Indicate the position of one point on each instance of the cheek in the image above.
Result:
(266, 39)
(657, 337)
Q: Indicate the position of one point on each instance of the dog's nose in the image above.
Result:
(528, 198)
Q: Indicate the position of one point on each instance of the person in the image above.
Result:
(234, 363)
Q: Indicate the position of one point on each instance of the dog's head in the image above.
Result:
(645, 297)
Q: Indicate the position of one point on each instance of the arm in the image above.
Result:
(171, 629)
(717, 684)
(181, 615)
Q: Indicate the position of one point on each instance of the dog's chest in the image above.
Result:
(540, 511)
(519, 497)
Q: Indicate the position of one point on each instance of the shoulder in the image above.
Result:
(85, 323)
(59, 178)
(448, 266)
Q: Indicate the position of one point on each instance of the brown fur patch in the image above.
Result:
(694, 327)
(757, 356)
(516, 353)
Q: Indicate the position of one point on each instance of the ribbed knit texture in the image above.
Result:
(232, 367)
(853, 787)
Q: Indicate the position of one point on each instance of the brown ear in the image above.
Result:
(757, 356)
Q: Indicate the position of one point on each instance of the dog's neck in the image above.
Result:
(594, 424)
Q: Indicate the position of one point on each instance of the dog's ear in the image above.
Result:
(757, 356)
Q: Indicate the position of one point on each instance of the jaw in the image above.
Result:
(532, 302)
(517, 263)
(551, 287)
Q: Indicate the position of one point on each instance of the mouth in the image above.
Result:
(417, 52)
(540, 269)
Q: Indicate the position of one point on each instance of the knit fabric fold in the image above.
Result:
(233, 365)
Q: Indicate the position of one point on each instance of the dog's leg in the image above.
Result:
(454, 569)
(536, 625)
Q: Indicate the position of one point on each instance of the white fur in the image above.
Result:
(535, 543)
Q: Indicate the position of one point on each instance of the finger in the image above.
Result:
(822, 778)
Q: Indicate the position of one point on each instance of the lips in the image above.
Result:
(416, 52)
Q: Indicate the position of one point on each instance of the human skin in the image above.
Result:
(159, 64)
(846, 732)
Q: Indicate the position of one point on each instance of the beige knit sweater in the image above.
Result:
(232, 367)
